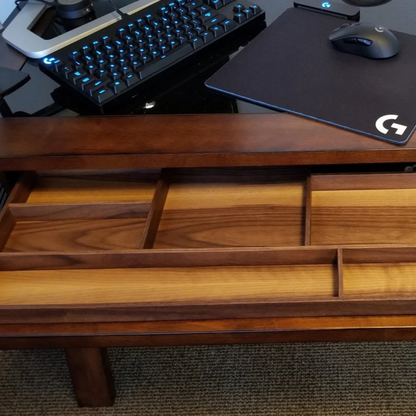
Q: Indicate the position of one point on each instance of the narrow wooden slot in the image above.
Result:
(155, 212)
(366, 181)
(80, 211)
(340, 269)
(178, 285)
(87, 187)
(167, 258)
(20, 193)
(380, 280)
(308, 211)
(383, 254)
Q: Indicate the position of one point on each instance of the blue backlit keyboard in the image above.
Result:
(117, 61)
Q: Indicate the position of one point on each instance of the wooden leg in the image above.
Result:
(91, 376)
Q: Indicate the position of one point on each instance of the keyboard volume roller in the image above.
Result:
(165, 60)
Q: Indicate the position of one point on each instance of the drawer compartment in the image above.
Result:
(363, 209)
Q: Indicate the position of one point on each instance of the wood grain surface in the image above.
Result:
(381, 279)
(167, 258)
(70, 235)
(187, 141)
(167, 285)
(79, 211)
(75, 187)
(385, 216)
(219, 214)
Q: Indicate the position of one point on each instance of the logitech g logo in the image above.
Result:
(326, 4)
(400, 129)
(379, 29)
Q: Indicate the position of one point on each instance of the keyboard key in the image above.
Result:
(131, 79)
(256, 9)
(102, 94)
(248, 13)
(117, 86)
(82, 82)
(204, 9)
(216, 4)
(217, 30)
(74, 76)
(193, 4)
(228, 25)
(240, 17)
(238, 8)
(206, 36)
(196, 42)
(95, 85)
(207, 16)
(215, 21)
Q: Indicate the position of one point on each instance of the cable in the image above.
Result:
(17, 2)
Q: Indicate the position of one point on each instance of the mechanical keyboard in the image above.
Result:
(117, 61)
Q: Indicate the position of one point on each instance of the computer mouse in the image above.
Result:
(365, 40)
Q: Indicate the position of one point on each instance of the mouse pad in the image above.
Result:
(292, 66)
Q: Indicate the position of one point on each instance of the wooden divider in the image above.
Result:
(20, 193)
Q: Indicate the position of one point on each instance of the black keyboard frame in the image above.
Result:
(230, 37)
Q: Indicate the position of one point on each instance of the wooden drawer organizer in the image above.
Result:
(205, 244)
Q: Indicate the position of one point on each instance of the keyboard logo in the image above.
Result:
(326, 4)
(380, 125)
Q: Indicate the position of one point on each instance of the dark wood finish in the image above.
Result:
(387, 305)
(155, 213)
(68, 211)
(363, 181)
(264, 330)
(308, 211)
(20, 193)
(340, 267)
(91, 376)
(168, 258)
(75, 235)
(382, 254)
(187, 141)
(195, 141)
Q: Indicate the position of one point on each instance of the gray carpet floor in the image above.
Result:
(280, 379)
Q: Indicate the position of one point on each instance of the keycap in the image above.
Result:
(228, 25)
(117, 86)
(74, 76)
(240, 17)
(131, 79)
(103, 94)
(206, 36)
(217, 30)
(196, 42)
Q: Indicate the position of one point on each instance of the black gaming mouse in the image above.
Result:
(365, 40)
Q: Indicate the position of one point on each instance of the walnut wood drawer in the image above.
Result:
(109, 246)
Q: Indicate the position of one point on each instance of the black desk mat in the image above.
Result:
(292, 66)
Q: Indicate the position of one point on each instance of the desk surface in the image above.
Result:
(186, 141)
(185, 94)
